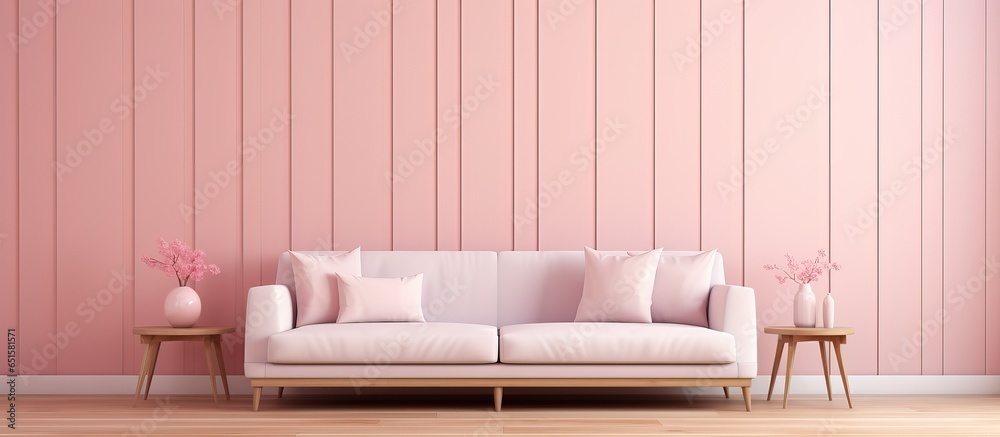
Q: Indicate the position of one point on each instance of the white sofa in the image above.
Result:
(532, 297)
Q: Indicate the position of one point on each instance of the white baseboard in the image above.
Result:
(801, 384)
(125, 384)
(886, 384)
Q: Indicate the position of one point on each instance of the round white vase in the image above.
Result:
(182, 307)
(804, 307)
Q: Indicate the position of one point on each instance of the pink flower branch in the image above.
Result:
(182, 262)
(803, 272)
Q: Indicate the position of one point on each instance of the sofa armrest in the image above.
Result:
(269, 311)
(733, 309)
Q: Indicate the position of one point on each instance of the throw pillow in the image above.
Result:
(380, 299)
(681, 289)
(317, 299)
(617, 288)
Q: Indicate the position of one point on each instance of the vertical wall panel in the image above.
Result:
(625, 125)
(128, 90)
(898, 197)
(217, 160)
(8, 170)
(449, 125)
(787, 149)
(312, 131)
(722, 134)
(362, 153)
(251, 126)
(992, 184)
(37, 195)
(189, 117)
(965, 188)
(567, 87)
(159, 132)
(487, 131)
(526, 125)
(677, 188)
(89, 134)
(854, 176)
(413, 175)
(929, 170)
(252, 163)
(275, 134)
(233, 344)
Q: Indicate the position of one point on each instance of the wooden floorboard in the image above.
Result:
(521, 415)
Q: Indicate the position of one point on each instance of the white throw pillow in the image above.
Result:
(317, 299)
(380, 299)
(617, 288)
(681, 289)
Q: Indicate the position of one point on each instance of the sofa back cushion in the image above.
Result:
(458, 287)
(546, 286)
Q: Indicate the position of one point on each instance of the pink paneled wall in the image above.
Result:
(251, 127)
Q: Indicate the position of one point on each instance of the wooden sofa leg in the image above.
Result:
(281, 390)
(746, 397)
(726, 391)
(256, 398)
(497, 397)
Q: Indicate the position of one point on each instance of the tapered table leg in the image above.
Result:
(826, 368)
(151, 368)
(142, 371)
(209, 351)
(843, 373)
(788, 370)
(222, 365)
(777, 362)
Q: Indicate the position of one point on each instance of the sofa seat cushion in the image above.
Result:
(614, 343)
(385, 343)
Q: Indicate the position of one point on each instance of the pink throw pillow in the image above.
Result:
(617, 288)
(681, 289)
(317, 298)
(380, 299)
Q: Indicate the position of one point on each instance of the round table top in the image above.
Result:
(793, 330)
(194, 330)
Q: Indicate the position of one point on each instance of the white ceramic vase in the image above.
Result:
(804, 307)
(182, 307)
(828, 311)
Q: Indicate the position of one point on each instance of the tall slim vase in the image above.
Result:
(804, 307)
(828, 311)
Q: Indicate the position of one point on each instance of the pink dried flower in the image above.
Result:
(180, 261)
(803, 272)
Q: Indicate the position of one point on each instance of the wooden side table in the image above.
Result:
(210, 336)
(791, 336)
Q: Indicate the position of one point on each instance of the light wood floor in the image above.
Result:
(521, 415)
